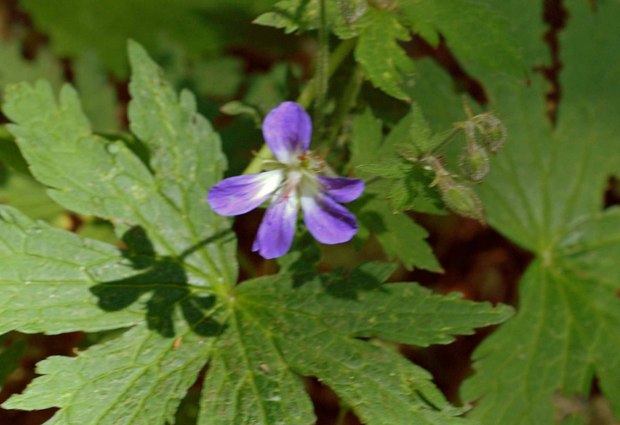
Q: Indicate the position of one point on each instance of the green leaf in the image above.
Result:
(539, 201)
(33, 268)
(92, 176)
(92, 286)
(380, 31)
(138, 378)
(366, 138)
(475, 32)
(186, 158)
(575, 334)
(330, 312)
(184, 150)
(400, 237)
(362, 305)
(436, 95)
(545, 193)
(405, 185)
(249, 382)
(420, 132)
(303, 15)
(291, 15)
(411, 190)
(76, 26)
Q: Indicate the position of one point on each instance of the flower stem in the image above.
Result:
(445, 141)
(337, 57)
(321, 72)
(305, 99)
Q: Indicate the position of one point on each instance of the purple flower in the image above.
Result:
(293, 179)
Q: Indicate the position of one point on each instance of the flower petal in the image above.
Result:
(240, 194)
(276, 232)
(287, 130)
(328, 221)
(342, 189)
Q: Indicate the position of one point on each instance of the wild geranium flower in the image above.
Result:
(295, 177)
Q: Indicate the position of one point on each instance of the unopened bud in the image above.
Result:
(475, 162)
(492, 131)
(461, 199)
(470, 131)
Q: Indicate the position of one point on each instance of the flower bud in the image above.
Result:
(492, 131)
(474, 162)
(470, 131)
(461, 199)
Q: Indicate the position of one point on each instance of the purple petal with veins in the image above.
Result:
(276, 232)
(240, 194)
(287, 130)
(342, 189)
(328, 221)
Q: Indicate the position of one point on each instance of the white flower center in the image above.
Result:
(299, 175)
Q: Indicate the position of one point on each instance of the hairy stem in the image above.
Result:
(445, 141)
(321, 72)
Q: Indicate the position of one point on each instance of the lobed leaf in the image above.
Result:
(249, 382)
(35, 269)
(398, 234)
(574, 338)
(303, 15)
(379, 34)
(545, 193)
(184, 155)
(355, 306)
(403, 186)
(330, 312)
(476, 33)
(92, 176)
(138, 378)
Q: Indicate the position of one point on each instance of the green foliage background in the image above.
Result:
(187, 327)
